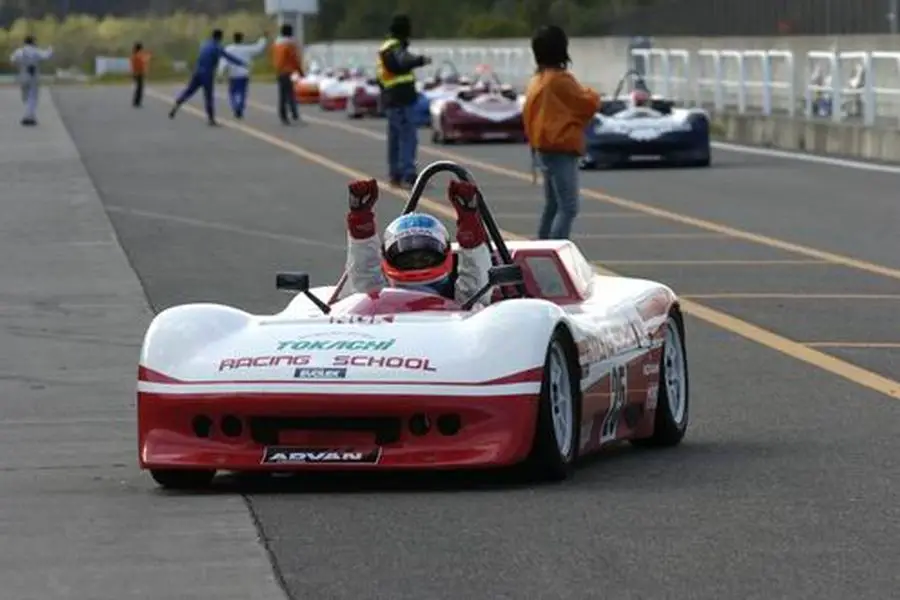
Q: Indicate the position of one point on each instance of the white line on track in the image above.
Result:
(813, 158)
(269, 235)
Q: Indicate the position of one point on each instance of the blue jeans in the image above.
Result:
(206, 82)
(237, 94)
(403, 141)
(560, 173)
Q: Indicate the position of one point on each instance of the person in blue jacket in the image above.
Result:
(204, 75)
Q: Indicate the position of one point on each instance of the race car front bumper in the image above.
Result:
(469, 129)
(278, 432)
(612, 148)
(333, 102)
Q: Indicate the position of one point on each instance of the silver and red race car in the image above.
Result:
(365, 98)
(488, 110)
(334, 93)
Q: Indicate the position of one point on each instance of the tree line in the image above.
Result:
(364, 19)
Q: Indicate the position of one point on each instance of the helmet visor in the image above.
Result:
(415, 253)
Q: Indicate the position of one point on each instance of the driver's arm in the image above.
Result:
(474, 256)
(364, 272)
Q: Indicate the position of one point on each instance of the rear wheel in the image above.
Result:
(673, 397)
(556, 439)
(182, 479)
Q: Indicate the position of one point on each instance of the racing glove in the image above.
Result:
(470, 231)
(361, 218)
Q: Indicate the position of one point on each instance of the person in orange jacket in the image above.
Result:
(557, 110)
(287, 60)
(140, 61)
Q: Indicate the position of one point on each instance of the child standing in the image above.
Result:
(557, 110)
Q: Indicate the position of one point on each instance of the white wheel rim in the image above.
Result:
(561, 404)
(676, 389)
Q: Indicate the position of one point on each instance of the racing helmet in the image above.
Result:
(640, 98)
(416, 250)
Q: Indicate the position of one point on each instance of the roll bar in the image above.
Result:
(495, 238)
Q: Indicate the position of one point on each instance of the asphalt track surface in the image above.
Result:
(787, 483)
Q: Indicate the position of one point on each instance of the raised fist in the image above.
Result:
(363, 194)
(463, 196)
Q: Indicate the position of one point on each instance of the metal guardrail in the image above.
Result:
(816, 84)
(766, 81)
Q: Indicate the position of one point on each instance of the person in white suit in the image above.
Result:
(28, 59)
(239, 77)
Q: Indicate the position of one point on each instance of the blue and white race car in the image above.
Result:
(642, 125)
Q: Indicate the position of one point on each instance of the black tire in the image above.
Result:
(182, 479)
(547, 462)
(668, 428)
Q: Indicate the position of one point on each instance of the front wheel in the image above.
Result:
(556, 439)
(673, 395)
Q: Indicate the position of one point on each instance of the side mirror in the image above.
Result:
(499, 275)
(299, 282)
(292, 282)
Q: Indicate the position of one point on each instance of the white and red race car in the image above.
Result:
(334, 93)
(561, 363)
(489, 110)
(365, 99)
(445, 83)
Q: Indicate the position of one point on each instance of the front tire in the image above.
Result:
(673, 396)
(182, 479)
(556, 440)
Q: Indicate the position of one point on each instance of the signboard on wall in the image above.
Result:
(303, 7)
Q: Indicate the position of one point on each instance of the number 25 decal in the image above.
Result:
(618, 395)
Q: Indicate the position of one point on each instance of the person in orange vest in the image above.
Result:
(287, 61)
(140, 60)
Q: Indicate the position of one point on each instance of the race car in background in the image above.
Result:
(561, 363)
(488, 110)
(334, 92)
(365, 99)
(306, 89)
(642, 125)
(444, 83)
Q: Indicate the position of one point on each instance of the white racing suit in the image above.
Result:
(28, 59)
(364, 272)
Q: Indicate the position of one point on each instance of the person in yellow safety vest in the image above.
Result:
(395, 66)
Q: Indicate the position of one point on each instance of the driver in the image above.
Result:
(416, 253)
(640, 99)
